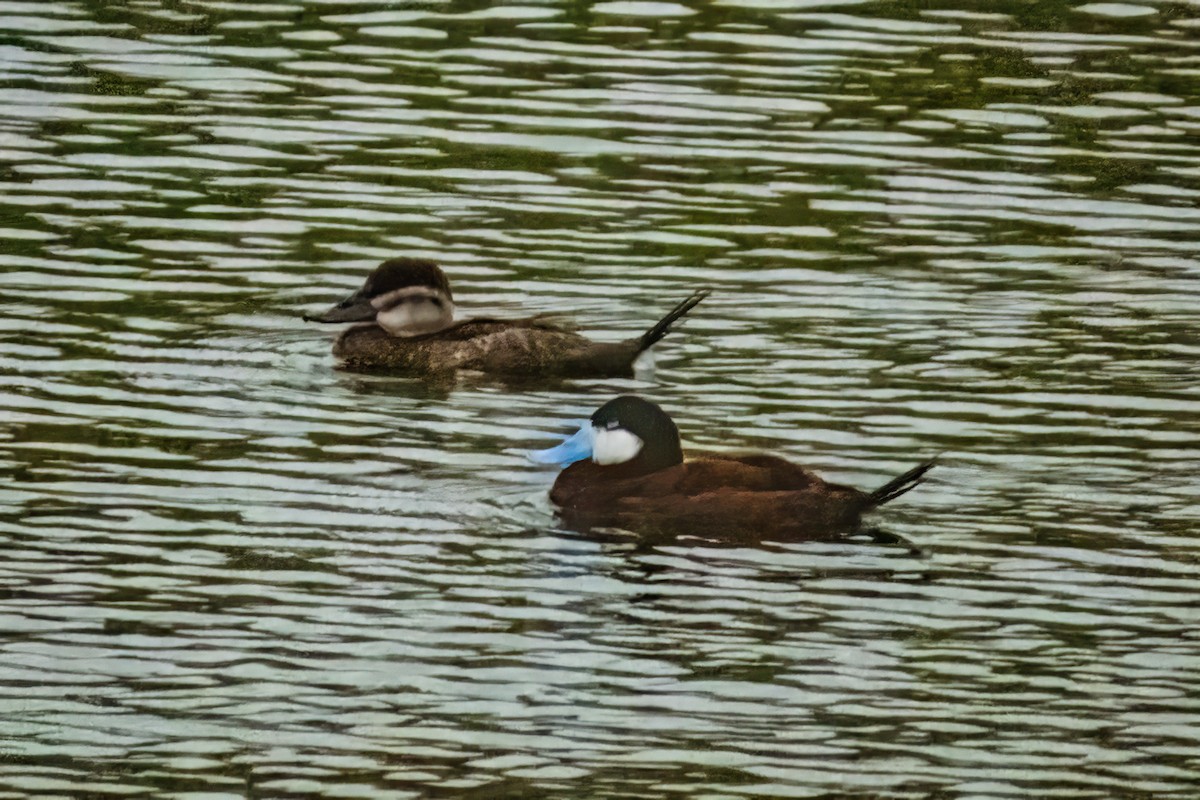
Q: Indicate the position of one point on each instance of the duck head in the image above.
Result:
(404, 296)
(626, 431)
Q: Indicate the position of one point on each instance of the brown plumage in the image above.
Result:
(508, 347)
(726, 497)
(408, 309)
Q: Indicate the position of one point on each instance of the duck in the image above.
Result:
(403, 318)
(625, 468)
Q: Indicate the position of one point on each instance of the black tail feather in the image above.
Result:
(663, 326)
(899, 485)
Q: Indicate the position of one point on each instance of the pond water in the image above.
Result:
(230, 569)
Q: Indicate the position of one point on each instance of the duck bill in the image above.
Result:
(353, 309)
(577, 447)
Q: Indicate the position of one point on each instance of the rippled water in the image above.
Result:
(232, 570)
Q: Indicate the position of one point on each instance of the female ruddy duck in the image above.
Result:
(625, 469)
(409, 314)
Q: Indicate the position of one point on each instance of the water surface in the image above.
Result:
(233, 570)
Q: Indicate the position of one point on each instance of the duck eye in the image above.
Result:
(612, 425)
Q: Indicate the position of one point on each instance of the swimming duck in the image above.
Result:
(406, 315)
(625, 468)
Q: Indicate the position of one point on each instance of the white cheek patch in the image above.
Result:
(412, 318)
(413, 311)
(614, 446)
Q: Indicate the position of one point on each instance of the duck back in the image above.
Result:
(517, 347)
(732, 498)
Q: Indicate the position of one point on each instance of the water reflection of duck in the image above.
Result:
(409, 311)
(625, 469)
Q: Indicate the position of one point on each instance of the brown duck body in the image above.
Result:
(739, 498)
(627, 470)
(506, 347)
(408, 311)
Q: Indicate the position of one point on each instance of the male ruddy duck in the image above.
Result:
(625, 469)
(409, 311)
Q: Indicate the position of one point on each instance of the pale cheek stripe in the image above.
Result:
(414, 316)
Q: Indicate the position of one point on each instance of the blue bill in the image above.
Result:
(576, 448)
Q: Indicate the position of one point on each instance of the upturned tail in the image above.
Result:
(663, 326)
(899, 485)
